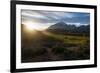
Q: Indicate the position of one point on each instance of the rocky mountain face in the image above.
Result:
(66, 28)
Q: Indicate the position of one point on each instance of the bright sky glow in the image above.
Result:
(40, 20)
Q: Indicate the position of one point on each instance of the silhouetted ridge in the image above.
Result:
(59, 25)
(64, 28)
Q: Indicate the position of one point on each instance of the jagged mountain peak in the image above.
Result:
(62, 26)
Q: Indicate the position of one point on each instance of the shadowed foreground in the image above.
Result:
(41, 46)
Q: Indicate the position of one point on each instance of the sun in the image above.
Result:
(35, 26)
(32, 26)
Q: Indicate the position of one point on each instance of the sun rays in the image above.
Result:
(34, 26)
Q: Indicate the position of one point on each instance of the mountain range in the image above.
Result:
(62, 27)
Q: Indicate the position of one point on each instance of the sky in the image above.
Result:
(44, 19)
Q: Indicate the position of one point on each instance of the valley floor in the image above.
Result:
(45, 46)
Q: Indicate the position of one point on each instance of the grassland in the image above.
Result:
(40, 46)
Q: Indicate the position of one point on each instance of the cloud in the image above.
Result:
(53, 16)
(76, 24)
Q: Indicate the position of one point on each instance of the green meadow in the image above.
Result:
(41, 46)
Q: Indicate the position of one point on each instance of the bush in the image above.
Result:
(58, 49)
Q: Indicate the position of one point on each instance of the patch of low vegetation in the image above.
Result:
(47, 46)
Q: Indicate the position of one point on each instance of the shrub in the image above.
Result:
(58, 49)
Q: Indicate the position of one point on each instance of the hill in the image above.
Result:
(64, 28)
